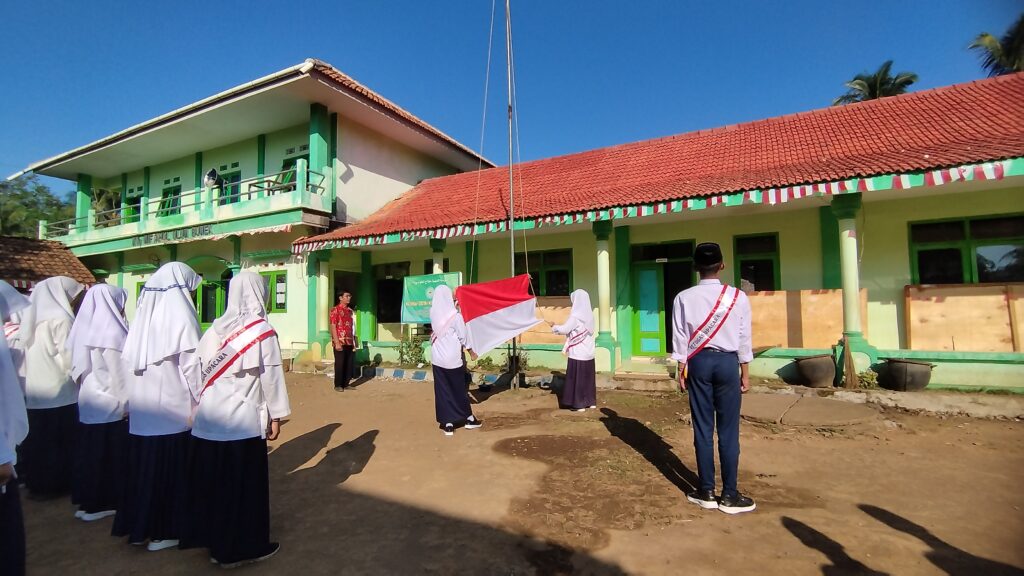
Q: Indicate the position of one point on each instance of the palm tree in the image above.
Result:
(881, 84)
(1002, 56)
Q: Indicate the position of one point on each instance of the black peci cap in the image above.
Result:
(707, 254)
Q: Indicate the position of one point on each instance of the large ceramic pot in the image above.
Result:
(906, 375)
(817, 371)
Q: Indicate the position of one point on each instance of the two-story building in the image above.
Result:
(229, 182)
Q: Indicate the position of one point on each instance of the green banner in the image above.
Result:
(418, 293)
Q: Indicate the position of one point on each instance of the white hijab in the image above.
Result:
(50, 300)
(100, 324)
(581, 310)
(165, 323)
(247, 298)
(442, 309)
(13, 418)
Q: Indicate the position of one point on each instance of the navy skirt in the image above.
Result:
(154, 496)
(47, 455)
(12, 531)
(451, 395)
(580, 389)
(101, 464)
(228, 499)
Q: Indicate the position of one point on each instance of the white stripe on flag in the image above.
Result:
(490, 330)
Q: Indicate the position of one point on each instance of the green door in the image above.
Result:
(211, 302)
(648, 310)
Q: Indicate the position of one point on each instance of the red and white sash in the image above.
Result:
(10, 329)
(714, 322)
(575, 338)
(232, 348)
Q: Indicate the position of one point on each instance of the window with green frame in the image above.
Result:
(277, 283)
(968, 250)
(757, 260)
(550, 271)
(428, 266)
(230, 189)
(170, 201)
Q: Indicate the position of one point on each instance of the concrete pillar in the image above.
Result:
(437, 246)
(845, 207)
(602, 231)
(83, 202)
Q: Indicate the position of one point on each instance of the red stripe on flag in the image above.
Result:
(476, 300)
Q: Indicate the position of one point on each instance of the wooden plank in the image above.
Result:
(1015, 305)
(971, 318)
(552, 309)
(800, 318)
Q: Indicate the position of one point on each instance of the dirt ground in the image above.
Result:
(363, 482)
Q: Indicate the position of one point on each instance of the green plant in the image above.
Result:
(524, 361)
(410, 351)
(867, 379)
(486, 364)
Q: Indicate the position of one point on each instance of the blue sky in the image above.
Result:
(590, 73)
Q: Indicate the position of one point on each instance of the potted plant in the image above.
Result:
(818, 371)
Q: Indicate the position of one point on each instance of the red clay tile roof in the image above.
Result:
(29, 260)
(953, 125)
(350, 84)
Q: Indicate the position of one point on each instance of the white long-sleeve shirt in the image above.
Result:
(48, 382)
(584, 349)
(693, 305)
(238, 406)
(446, 349)
(103, 395)
(160, 398)
(13, 419)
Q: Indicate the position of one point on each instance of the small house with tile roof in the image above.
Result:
(24, 262)
(897, 224)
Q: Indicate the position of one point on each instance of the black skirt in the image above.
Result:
(228, 499)
(451, 395)
(152, 505)
(12, 531)
(580, 389)
(101, 463)
(47, 455)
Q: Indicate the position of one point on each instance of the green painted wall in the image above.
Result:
(279, 142)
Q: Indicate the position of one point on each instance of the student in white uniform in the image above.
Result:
(451, 396)
(12, 333)
(50, 392)
(580, 391)
(160, 350)
(241, 402)
(13, 429)
(711, 341)
(101, 447)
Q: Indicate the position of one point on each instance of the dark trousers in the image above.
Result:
(12, 531)
(713, 384)
(343, 365)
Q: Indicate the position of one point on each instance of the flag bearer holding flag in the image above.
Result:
(242, 398)
(711, 343)
(580, 391)
(451, 397)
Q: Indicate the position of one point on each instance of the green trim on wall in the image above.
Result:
(199, 171)
(472, 261)
(944, 356)
(366, 303)
(831, 273)
(120, 269)
(623, 296)
(261, 154)
(968, 246)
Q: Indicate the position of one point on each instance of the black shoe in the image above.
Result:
(448, 429)
(483, 387)
(474, 423)
(703, 498)
(340, 388)
(274, 547)
(736, 504)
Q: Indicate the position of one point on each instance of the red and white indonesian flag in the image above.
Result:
(497, 311)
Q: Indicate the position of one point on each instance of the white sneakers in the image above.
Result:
(157, 545)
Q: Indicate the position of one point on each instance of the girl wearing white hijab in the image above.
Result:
(13, 429)
(580, 391)
(241, 402)
(50, 392)
(160, 350)
(101, 449)
(451, 397)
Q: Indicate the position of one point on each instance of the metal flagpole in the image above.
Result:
(514, 357)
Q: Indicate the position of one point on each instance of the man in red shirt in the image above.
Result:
(343, 336)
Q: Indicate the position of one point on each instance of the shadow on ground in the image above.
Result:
(652, 447)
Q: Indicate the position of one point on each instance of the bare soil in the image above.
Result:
(363, 482)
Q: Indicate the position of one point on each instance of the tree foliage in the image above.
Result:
(879, 84)
(1002, 55)
(24, 202)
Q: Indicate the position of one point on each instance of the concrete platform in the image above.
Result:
(793, 410)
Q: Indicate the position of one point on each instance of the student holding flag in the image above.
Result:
(242, 399)
(451, 397)
(101, 448)
(13, 429)
(580, 391)
(161, 350)
(711, 342)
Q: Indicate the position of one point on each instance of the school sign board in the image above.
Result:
(418, 293)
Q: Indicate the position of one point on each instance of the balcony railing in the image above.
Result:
(229, 193)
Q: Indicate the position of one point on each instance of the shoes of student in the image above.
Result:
(579, 409)
(274, 547)
(593, 406)
(340, 388)
(79, 514)
(94, 516)
(448, 429)
(483, 387)
(736, 504)
(474, 423)
(703, 498)
(157, 545)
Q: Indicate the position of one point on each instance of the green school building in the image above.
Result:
(897, 223)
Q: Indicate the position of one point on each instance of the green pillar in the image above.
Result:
(120, 269)
(845, 207)
(319, 145)
(623, 293)
(472, 262)
(144, 202)
(366, 300)
(83, 201)
(261, 154)
(437, 246)
(603, 230)
(125, 210)
(831, 276)
(312, 294)
(172, 253)
(332, 156)
(236, 254)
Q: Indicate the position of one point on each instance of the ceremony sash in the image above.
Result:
(232, 349)
(10, 329)
(574, 338)
(713, 323)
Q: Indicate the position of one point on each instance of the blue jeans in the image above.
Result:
(713, 384)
